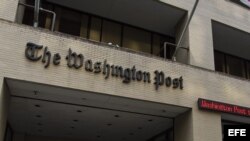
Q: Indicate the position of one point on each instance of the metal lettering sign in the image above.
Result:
(77, 61)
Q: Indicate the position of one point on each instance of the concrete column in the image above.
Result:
(201, 38)
(206, 125)
(198, 125)
(201, 42)
(8, 9)
(20, 12)
(183, 130)
(4, 105)
(182, 55)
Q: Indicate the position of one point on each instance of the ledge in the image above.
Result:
(101, 44)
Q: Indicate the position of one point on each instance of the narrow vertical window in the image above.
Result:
(95, 28)
(111, 33)
(157, 43)
(69, 22)
(158, 46)
(219, 61)
(235, 66)
(28, 13)
(137, 39)
(84, 25)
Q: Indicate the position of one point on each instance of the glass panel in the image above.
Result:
(95, 29)
(28, 16)
(170, 48)
(235, 66)
(219, 61)
(157, 43)
(111, 33)
(137, 39)
(84, 26)
(158, 46)
(28, 13)
(70, 22)
(45, 18)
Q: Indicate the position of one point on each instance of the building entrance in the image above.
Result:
(46, 113)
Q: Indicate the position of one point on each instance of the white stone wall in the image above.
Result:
(8, 9)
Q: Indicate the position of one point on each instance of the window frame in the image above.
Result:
(245, 72)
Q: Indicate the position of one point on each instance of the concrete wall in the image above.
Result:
(183, 127)
(8, 9)
(206, 126)
(198, 125)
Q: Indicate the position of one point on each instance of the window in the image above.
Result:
(95, 29)
(158, 46)
(137, 39)
(69, 22)
(84, 26)
(235, 66)
(28, 13)
(45, 18)
(158, 41)
(111, 32)
(219, 62)
(231, 64)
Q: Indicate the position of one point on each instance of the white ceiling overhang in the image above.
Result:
(231, 40)
(44, 110)
(147, 14)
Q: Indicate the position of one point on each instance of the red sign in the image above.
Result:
(223, 107)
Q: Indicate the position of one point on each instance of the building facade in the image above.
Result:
(95, 70)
